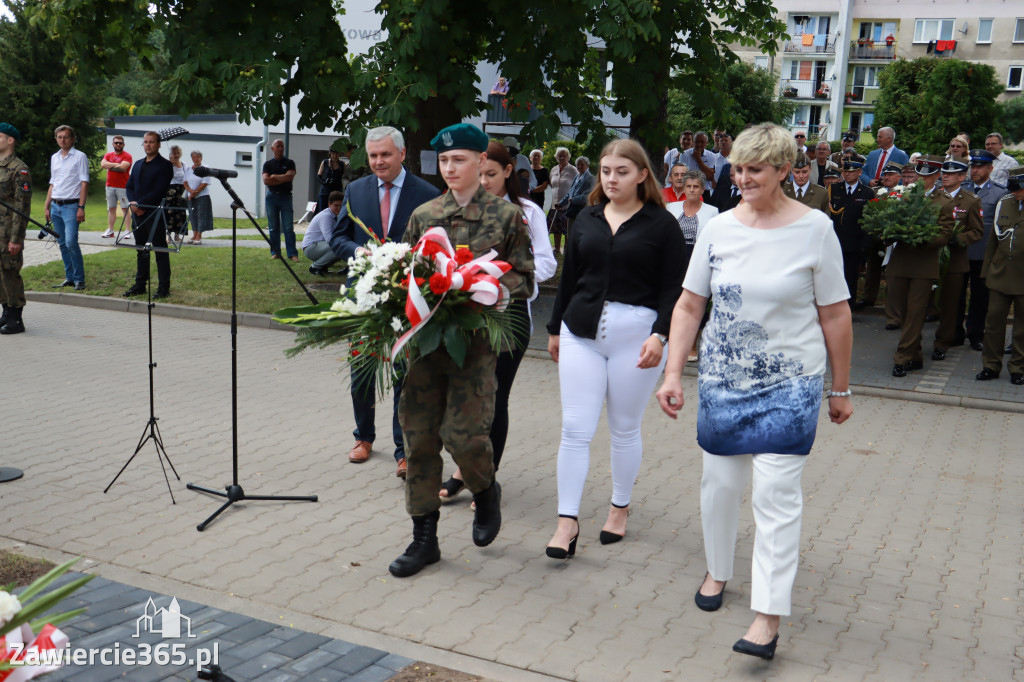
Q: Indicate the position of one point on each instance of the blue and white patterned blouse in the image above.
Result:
(762, 356)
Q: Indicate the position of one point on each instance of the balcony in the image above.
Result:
(862, 95)
(498, 111)
(870, 50)
(804, 89)
(820, 43)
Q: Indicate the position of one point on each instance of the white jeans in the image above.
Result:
(778, 503)
(591, 371)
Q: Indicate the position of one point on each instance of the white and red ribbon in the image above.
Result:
(479, 277)
(16, 646)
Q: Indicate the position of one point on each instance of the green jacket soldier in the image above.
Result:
(16, 191)
(968, 229)
(803, 190)
(1003, 270)
(442, 403)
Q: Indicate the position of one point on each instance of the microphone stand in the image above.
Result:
(233, 492)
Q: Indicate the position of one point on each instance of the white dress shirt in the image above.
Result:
(709, 158)
(67, 173)
(1001, 168)
(321, 227)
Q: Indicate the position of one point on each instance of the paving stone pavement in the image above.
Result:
(911, 554)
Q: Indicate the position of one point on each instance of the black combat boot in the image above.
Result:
(424, 549)
(13, 325)
(487, 521)
(3, 318)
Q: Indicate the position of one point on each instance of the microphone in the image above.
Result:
(205, 172)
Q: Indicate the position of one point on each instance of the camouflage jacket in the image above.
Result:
(16, 190)
(487, 222)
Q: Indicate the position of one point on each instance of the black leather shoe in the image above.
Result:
(1016, 378)
(899, 371)
(890, 327)
(314, 270)
(65, 283)
(986, 375)
(79, 286)
(161, 293)
(977, 345)
(915, 364)
(765, 651)
(708, 603)
(135, 290)
(424, 549)
(13, 325)
(487, 519)
(938, 354)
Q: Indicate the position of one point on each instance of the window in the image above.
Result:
(877, 31)
(243, 158)
(937, 29)
(866, 76)
(984, 31)
(1018, 33)
(1013, 80)
(761, 63)
(801, 71)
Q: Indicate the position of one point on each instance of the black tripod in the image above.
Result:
(234, 493)
(152, 430)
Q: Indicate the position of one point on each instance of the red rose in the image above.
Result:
(431, 249)
(439, 283)
(463, 256)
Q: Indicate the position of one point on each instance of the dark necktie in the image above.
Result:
(799, 192)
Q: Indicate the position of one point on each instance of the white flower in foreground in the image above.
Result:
(9, 607)
(345, 307)
(396, 324)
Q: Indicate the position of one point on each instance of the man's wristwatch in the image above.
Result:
(662, 338)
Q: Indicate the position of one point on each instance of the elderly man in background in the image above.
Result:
(699, 158)
(673, 155)
(821, 163)
(581, 187)
(887, 152)
(1003, 163)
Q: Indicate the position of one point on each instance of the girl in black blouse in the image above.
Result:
(621, 276)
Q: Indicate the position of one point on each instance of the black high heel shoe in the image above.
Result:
(558, 552)
(609, 538)
(708, 602)
(765, 651)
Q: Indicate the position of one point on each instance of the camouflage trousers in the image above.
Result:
(12, 287)
(442, 404)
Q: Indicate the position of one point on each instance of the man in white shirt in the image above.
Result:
(724, 149)
(672, 157)
(65, 203)
(316, 244)
(1004, 163)
(700, 159)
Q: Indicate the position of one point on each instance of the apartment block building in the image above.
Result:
(829, 66)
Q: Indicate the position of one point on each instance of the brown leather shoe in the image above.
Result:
(401, 469)
(360, 452)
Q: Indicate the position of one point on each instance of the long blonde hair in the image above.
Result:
(648, 190)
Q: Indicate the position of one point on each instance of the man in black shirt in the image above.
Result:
(278, 174)
(146, 189)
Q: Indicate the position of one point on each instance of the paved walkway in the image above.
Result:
(911, 558)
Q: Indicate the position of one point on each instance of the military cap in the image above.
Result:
(460, 136)
(832, 173)
(954, 166)
(982, 157)
(892, 167)
(8, 129)
(849, 137)
(801, 161)
(852, 163)
(929, 164)
(1015, 183)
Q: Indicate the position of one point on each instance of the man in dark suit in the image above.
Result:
(147, 186)
(846, 204)
(726, 195)
(383, 202)
(886, 152)
(803, 190)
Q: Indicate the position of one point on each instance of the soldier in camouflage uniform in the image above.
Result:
(15, 190)
(442, 403)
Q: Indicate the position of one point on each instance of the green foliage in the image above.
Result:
(909, 217)
(928, 101)
(1012, 120)
(749, 97)
(34, 603)
(576, 150)
(38, 92)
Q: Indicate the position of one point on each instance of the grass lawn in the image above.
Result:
(96, 210)
(199, 277)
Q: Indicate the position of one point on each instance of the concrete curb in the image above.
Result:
(261, 321)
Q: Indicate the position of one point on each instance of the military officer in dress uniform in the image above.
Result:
(849, 142)
(912, 270)
(989, 192)
(803, 190)
(874, 249)
(442, 402)
(967, 230)
(846, 204)
(15, 190)
(1003, 271)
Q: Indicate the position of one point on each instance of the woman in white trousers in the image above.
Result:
(774, 271)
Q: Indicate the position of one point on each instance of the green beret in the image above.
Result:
(8, 129)
(460, 136)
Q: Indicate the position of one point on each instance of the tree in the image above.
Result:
(38, 94)
(927, 101)
(750, 98)
(1012, 120)
(255, 56)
